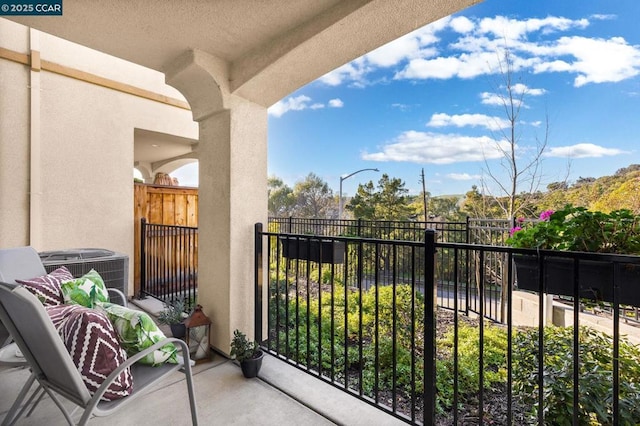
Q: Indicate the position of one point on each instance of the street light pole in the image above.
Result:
(342, 179)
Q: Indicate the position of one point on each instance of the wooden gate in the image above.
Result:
(164, 205)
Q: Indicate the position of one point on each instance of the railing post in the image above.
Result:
(430, 307)
(143, 258)
(258, 273)
(290, 223)
(467, 232)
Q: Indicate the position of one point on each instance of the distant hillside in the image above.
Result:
(620, 191)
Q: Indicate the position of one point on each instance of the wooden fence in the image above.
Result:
(164, 205)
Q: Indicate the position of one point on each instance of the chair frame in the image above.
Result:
(69, 382)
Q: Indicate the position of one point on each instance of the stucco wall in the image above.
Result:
(14, 154)
(86, 137)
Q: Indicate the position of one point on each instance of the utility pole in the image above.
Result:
(424, 197)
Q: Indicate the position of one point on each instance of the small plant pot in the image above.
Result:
(178, 330)
(251, 367)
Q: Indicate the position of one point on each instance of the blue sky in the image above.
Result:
(427, 100)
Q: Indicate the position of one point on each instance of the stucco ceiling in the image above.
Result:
(154, 147)
(270, 47)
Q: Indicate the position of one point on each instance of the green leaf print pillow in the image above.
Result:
(137, 332)
(86, 290)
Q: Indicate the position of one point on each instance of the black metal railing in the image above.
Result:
(169, 262)
(381, 229)
(433, 333)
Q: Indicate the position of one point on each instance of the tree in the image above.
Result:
(388, 202)
(625, 196)
(440, 208)
(446, 207)
(281, 199)
(522, 169)
(314, 198)
(478, 205)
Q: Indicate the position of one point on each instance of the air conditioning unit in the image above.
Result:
(113, 267)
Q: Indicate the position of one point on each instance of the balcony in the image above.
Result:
(341, 352)
(224, 397)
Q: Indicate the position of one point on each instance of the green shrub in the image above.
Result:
(595, 376)
(495, 363)
(320, 323)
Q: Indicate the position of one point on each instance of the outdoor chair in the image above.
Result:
(22, 263)
(53, 368)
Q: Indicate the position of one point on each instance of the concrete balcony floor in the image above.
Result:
(282, 395)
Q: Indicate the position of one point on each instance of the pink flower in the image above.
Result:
(520, 220)
(545, 215)
(514, 230)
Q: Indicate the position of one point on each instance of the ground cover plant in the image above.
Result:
(350, 336)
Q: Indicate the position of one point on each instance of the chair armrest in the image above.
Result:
(121, 299)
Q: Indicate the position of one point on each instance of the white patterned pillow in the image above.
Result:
(94, 347)
(86, 290)
(47, 287)
(137, 332)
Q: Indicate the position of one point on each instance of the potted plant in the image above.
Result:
(247, 353)
(173, 315)
(580, 230)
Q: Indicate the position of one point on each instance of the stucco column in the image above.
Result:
(232, 193)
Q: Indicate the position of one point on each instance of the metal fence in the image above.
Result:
(169, 262)
(431, 332)
(382, 229)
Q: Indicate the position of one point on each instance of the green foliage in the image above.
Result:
(605, 193)
(242, 348)
(281, 198)
(578, 229)
(494, 368)
(478, 205)
(173, 312)
(389, 201)
(312, 332)
(594, 381)
(313, 198)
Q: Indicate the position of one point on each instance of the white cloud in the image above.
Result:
(417, 44)
(517, 89)
(510, 29)
(355, 72)
(392, 53)
(471, 120)
(583, 150)
(535, 44)
(491, 99)
(435, 148)
(401, 107)
(463, 176)
(299, 103)
(603, 17)
(462, 24)
(290, 104)
(462, 66)
(596, 60)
